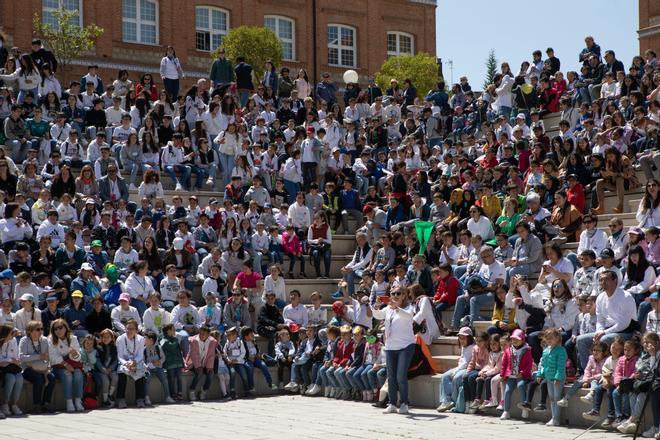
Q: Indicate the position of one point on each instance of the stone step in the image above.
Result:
(445, 362)
(445, 346)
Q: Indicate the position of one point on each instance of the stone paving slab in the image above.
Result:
(280, 418)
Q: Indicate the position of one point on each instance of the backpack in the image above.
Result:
(90, 400)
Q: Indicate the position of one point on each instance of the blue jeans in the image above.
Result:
(276, 257)
(19, 150)
(554, 393)
(243, 95)
(622, 405)
(317, 253)
(377, 378)
(511, 384)
(22, 93)
(241, 371)
(350, 280)
(505, 111)
(12, 387)
(472, 306)
(140, 305)
(185, 171)
(174, 381)
(357, 375)
(183, 336)
(258, 363)
(323, 377)
(398, 362)
(41, 393)
(161, 374)
(134, 168)
(207, 374)
(227, 163)
(340, 378)
(171, 87)
(643, 311)
(521, 269)
(72, 383)
(292, 188)
(584, 343)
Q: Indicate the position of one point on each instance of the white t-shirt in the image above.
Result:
(492, 272)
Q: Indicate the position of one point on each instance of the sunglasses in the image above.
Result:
(395, 294)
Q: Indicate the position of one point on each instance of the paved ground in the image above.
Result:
(281, 418)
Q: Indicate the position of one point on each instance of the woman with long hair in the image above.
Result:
(150, 151)
(399, 345)
(638, 279)
(648, 212)
(618, 176)
(49, 83)
(302, 84)
(565, 220)
(171, 72)
(229, 147)
(130, 353)
(33, 353)
(149, 253)
(28, 77)
(86, 184)
(147, 85)
(65, 358)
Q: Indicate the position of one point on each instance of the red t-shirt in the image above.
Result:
(248, 281)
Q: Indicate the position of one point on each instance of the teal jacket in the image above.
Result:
(172, 350)
(553, 364)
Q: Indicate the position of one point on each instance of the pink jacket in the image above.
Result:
(479, 359)
(494, 364)
(193, 359)
(291, 244)
(526, 362)
(625, 369)
(594, 370)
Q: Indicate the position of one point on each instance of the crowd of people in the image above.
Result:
(97, 289)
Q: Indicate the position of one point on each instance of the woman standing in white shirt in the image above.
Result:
(292, 175)
(399, 346)
(10, 367)
(229, 146)
(64, 354)
(130, 352)
(302, 85)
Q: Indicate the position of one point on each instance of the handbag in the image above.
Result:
(642, 386)
(626, 386)
(11, 369)
(76, 365)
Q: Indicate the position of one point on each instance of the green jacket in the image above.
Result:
(553, 364)
(172, 350)
(222, 71)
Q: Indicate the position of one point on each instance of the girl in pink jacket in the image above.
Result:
(199, 361)
(516, 370)
(624, 375)
(486, 375)
(294, 250)
(593, 373)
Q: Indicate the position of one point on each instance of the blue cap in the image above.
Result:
(654, 295)
(7, 273)
(52, 298)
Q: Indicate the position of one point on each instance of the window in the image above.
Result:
(341, 45)
(50, 6)
(400, 43)
(140, 21)
(211, 26)
(285, 30)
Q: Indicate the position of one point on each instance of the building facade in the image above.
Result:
(319, 35)
(649, 25)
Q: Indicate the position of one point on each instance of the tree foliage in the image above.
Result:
(66, 38)
(421, 68)
(257, 44)
(491, 69)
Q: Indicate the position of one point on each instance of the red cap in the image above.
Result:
(310, 129)
(367, 209)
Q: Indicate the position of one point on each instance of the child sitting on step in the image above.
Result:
(516, 370)
(487, 374)
(452, 379)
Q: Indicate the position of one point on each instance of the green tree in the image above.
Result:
(257, 44)
(491, 69)
(66, 38)
(421, 68)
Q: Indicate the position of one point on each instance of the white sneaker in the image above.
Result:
(289, 386)
(326, 392)
(587, 398)
(314, 390)
(178, 187)
(552, 422)
(132, 187)
(525, 413)
(500, 407)
(169, 400)
(191, 396)
(5, 409)
(147, 401)
(563, 402)
(15, 410)
(332, 393)
(78, 404)
(210, 182)
(403, 409)
(370, 396)
(70, 408)
(505, 415)
(650, 433)
(202, 395)
(391, 409)
(445, 406)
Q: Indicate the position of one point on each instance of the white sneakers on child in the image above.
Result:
(313, 390)
(70, 408)
(563, 402)
(403, 409)
(627, 427)
(147, 401)
(588, 398)
(445, 406)
(553, 422)
(327, 392)
(78, 404)
(5, 410)
(15, 410)
(391, 409)
(168, 399)
(525, 413)
(191, 396)
(210, 182)
(202, 395)
(505, 415)
(650, 433)
(178, 187)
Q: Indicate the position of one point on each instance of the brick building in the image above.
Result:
(357, 35)
(649, 25)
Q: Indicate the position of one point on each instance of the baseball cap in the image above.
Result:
(518, 334)
(607, 253)
(96, 243)
(465, 331)
(125, 297)
(76, 294)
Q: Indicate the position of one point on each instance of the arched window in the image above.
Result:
(139, 19)
(285, 30)
(50, 6)
(342, 45)
(400, 43)
(211, 27)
